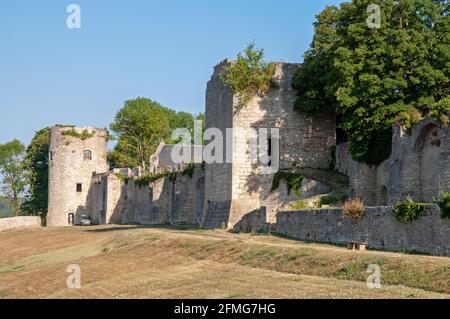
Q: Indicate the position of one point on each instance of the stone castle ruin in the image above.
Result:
(234, 192)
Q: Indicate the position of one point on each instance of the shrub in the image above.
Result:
(409, 117)
(408, 210)
(354, 208)
(328, 200)
(293, 181)
(249, 76)
(444, 204)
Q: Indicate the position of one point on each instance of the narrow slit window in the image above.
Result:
(79, 188)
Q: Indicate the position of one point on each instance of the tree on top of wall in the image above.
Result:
(249, 75)
(375, 77)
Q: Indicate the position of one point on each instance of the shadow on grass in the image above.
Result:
(344, 245)
(113, 228)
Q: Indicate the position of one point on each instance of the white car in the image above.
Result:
(85, 220)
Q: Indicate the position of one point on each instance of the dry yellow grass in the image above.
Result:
(123, 262)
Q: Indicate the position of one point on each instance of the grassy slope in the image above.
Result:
(164, 263)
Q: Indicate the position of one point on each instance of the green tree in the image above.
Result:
(12, 173)
(139, 127)
(373, 77)
(201, 117)
(36, 167)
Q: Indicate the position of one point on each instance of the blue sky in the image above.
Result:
(163, 50)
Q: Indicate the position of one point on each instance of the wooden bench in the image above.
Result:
(352, 245)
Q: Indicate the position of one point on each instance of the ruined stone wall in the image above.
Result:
(107, 199)
(164, 201)
(161, 191)
(187, 198)
(304, 142)
(139, 206)
(68, 167)
(254, 221)
(278, 199)
(218, 180)
(418, 167)
(363, 181)
(116, 199)
(378, 228)
(96, 200)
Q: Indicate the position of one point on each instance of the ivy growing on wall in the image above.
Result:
(146, 179)
(249, 75)
(85, 135)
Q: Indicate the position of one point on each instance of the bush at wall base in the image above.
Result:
(444, 204)
(408, 210)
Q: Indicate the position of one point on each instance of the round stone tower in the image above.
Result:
(76, 154)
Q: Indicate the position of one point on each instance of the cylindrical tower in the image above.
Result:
(75, 155)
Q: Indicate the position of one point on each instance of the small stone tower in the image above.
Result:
(76, 154)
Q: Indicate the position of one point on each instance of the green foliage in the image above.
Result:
(249, 75)
(6, 208)
(328, 201)
(145, 180)
(189, 170)
(373, 78)
(293, 181)
(139, 127)
(121, 178)
(444, 203)
(408, 210)
(36, 167)
(372, 148)
(409, 117)
(84, 135)
(299, 205)
(12, 175)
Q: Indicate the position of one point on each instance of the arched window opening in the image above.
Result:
(87, 155)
